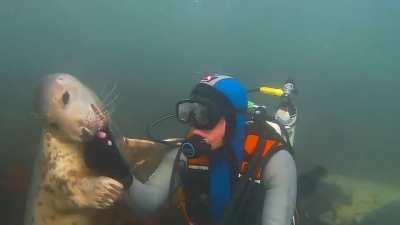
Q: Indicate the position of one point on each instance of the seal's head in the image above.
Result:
(70, 109)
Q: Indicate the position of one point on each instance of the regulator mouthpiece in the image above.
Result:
(194, 146)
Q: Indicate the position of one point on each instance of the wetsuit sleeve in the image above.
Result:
(147, 198)
(280, 179)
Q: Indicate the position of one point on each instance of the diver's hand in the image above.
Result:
(98, 192)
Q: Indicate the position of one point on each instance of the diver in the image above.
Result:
(236, 164)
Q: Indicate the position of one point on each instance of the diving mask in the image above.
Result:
(199, 112)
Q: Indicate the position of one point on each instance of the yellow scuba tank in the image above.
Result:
(271, 91)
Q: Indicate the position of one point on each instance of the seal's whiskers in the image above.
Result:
(110, 93)
(103, 91)
(108, 113)
(100, 116)
(112, 101)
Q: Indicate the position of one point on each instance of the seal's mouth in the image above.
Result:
(97, 122)
(86, 134)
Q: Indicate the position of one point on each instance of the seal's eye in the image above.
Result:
(65, 97)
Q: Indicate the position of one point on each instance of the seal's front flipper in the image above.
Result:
(144, 156)
(96, 192)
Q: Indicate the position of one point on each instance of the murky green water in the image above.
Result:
(343, 54)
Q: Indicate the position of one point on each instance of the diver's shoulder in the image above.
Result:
(280, 162)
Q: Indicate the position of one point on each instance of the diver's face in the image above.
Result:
(214, 136)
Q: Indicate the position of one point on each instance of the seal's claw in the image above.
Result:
(101, 192)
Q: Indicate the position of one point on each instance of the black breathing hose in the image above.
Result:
(156, 123)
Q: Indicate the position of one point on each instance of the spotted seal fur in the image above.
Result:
(64, 190)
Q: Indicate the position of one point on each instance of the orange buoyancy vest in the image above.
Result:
(276, 141)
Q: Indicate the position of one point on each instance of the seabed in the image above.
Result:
(343, 200)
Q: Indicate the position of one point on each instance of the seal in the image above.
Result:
(64, 189)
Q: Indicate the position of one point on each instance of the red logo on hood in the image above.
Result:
(208, 77)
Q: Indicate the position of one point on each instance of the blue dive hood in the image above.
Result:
(228, 90)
